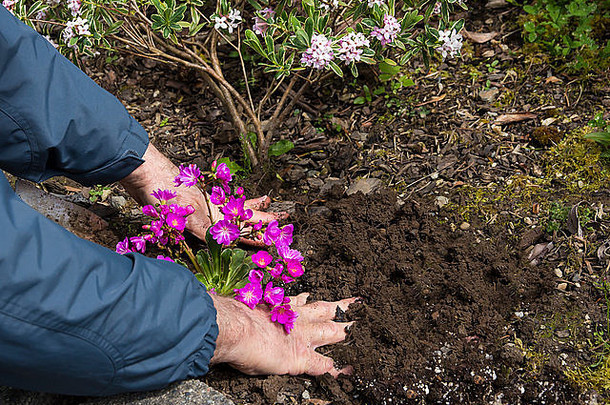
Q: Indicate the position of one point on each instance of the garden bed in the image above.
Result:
(448, 314)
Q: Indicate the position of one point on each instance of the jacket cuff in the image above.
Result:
(134, 146)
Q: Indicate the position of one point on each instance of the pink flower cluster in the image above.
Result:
(74, 6)
(260, 20)
(319, 54)
(451, 43)
(350, 47)
(286, 267)
(389, 32)
(9, 4)
(379, 3)
(168, 222)
(78, 26)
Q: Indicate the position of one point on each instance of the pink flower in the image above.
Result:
(284, 315)
(180, 210)
(294, 268)
(239, 191)
(285, 236)
(234, 208)
(223, 173)
(276, 270)
(251, 294)
(224, 232)
(271, 233)
(176, 221)
(287, 279)
(217, 197)
(188, 175)
(273, 295)
(164, 195)
(150, 211)
(139, 243)
(123, 247)
(258, 226)
(262, 259)
(156, 227)
(255, 276)
(289, 254)
(74, 6)
(169, 259)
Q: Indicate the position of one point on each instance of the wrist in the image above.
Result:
(233, 326)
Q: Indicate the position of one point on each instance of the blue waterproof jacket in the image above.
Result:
(75, 317)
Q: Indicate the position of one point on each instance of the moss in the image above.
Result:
(570, 169)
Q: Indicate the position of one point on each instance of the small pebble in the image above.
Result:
(464, 226)
(558, 273)
(306, 395)
(562, 286)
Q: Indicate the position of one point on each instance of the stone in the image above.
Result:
(562, 286)
(441, 201)
(333, 186)
(365, 186)
(118, 201)
(489, 95)
(464, 226)
(192, 392)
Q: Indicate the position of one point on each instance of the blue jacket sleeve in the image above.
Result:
(54, 119)
(77, 318)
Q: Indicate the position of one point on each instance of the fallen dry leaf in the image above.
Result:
(515, 117)
(552, 79)
(318, 402)
(480, 37)
(432, 100)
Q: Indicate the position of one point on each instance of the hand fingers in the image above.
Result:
(328, 333)
(299, 300)
(317, 364)
(252, 242)
(324, 310)
(267, 217)
(260, 203)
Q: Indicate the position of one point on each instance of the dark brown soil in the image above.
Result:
(442, 308)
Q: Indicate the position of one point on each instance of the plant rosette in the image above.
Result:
(223, 268)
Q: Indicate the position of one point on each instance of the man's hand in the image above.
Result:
(158, 171)
(251, 343)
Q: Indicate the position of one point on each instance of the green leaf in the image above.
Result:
(309, 29)
(253, 42)
(269, 44)
(530, 9)
(158, 5)
(359, 100)
(233, 166)
(603, 138)
(335, 68)
(280, 147)
(354, 69)
(389, 68)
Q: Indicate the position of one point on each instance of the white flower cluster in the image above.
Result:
(389, 32)
(9, 4)
(227, 22)
(260, 23)
(78, 26)
(376, 3)
(350, 47)
(74, 6)
(329, 4)
(451, 43)
(319, 54)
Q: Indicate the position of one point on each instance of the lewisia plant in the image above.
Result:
(223, 268)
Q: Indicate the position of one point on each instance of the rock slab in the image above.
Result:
(192, 392)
